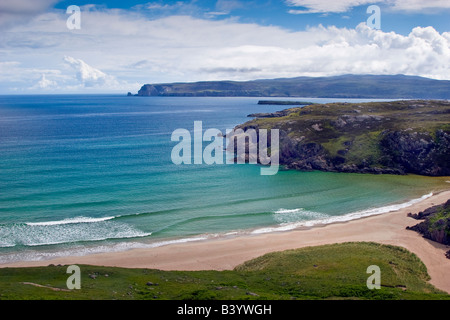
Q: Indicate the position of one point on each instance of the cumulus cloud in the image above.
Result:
(118, 50)
(88, 77)
(424, 52)
(86, 74)
(45, 83)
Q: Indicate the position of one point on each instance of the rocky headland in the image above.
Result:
(397, 137)
(344, 86)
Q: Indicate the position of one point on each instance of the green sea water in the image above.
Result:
(86, 174)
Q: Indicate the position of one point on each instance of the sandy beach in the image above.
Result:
(227, 253)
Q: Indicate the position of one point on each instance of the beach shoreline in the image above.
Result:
(225, 253)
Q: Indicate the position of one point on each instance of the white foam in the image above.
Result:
(67, 231)
(286, 227)
(177, 241)
(129, 232)
(343, 218)
(69, 221)
(376, 211)
(129, 236)
(6, 245)
(88, 250)
(281, 211)
(286, 216)
(232, 233)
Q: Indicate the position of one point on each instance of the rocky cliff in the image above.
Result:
(435, 224)
(397, 137)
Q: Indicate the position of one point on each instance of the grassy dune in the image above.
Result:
(327, 272)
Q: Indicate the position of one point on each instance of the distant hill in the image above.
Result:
(345, 86)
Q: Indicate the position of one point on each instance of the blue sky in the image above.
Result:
(272, 12)
(124, 44)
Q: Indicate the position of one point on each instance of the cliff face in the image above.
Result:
(148, 90)
(389, 137)
(417, 152)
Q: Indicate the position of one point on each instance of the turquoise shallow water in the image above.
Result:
(84, 174)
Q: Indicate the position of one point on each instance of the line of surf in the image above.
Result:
(341, 218)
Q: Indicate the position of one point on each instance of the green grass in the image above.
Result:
(365, 147)
(326, 272)
(440, 221)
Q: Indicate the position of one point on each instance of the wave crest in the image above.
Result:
(326, 219)
(80, 229)
(69, 221)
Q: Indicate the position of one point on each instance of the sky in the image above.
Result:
(117, 46)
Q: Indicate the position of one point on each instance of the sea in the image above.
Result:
(84, 174)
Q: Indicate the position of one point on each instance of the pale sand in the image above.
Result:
(225, 254)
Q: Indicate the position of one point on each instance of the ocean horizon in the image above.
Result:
(82, 174)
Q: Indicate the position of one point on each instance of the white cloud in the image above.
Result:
(119, 51)
(25, 6)
(45, 83)
(322, 6)
(86, 74)
(15, 72)
(326, 6)
(14, 12)
(419, 5)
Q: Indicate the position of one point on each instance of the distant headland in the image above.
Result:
(344, 86)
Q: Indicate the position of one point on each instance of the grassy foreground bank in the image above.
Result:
(335, 271)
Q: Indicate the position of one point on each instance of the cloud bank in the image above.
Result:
(120, 50)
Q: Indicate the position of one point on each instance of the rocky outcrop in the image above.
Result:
(311, 156)
(149, 90)
(417, 152)
(435, 225)
(399, 137)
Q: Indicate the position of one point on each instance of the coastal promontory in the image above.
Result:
(344, 86)
(396, 137)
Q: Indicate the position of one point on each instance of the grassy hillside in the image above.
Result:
(326, 272)
(411, 136)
